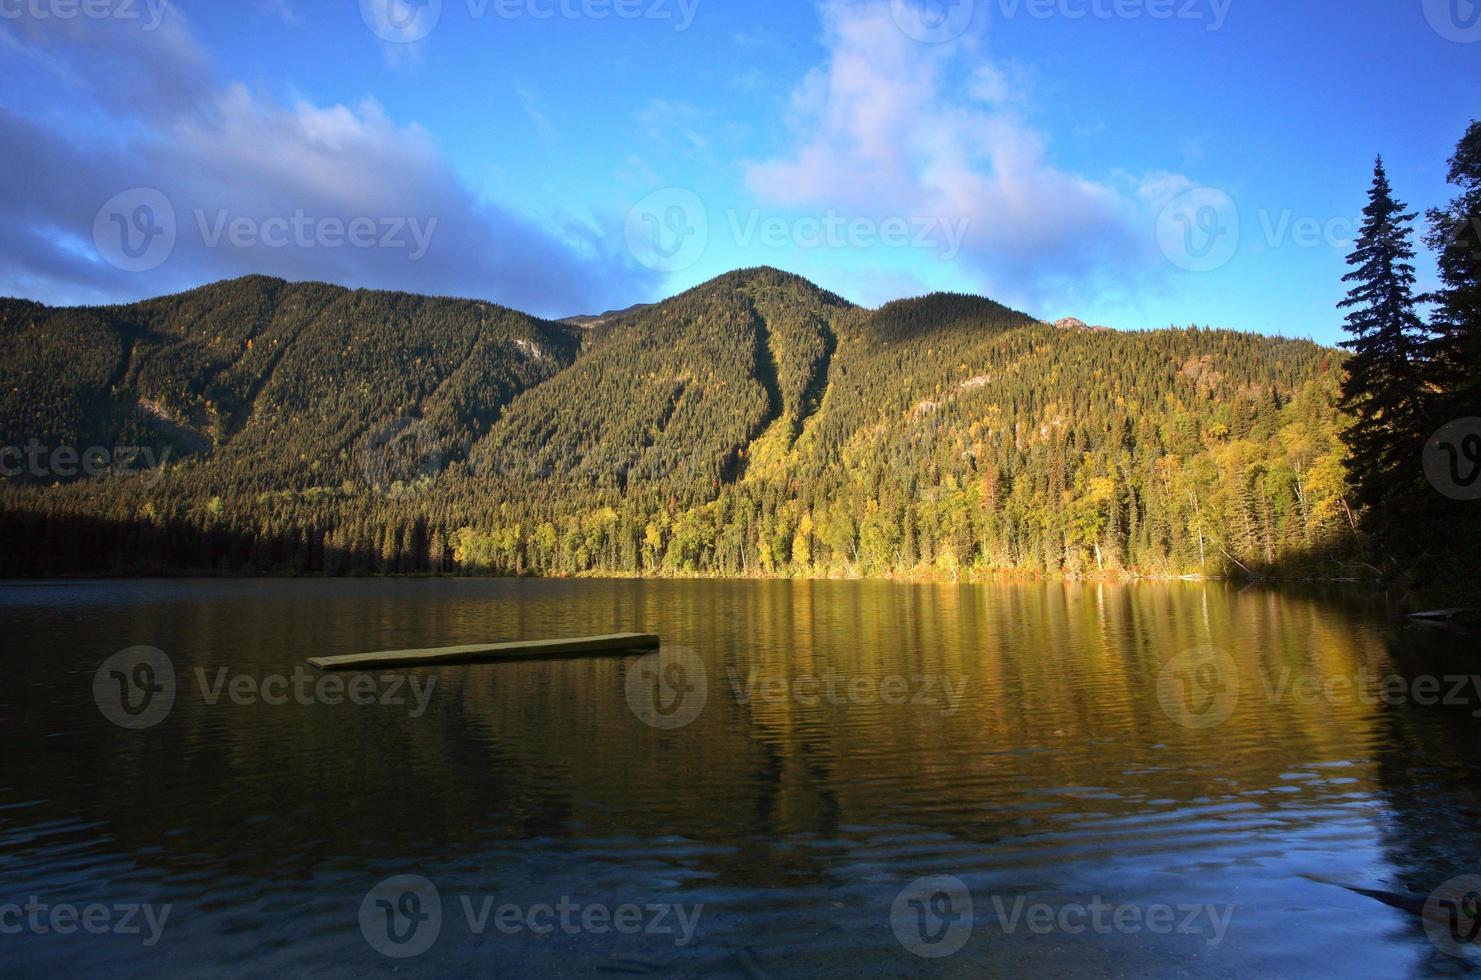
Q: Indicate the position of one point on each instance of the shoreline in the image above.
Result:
(979, 578)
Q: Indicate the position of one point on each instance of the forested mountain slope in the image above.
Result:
(979, 443)
(269, 384)
(754, 425)
(674, 393)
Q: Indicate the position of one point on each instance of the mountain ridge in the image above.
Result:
(754, 424)
(582, 320)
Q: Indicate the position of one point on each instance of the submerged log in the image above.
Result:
(588, 646)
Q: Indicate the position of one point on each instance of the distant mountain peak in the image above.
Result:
(763, 275)
(587, 321)
(766, 275)
(1075, 323)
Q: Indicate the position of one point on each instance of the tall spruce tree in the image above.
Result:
(1455, 236)
(1383, 390)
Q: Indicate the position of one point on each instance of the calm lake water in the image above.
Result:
(813, 779)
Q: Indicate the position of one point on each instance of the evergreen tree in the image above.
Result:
(1382, 390)
(1455, 236)
(1454, 361)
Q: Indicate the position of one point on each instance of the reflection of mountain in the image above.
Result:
(1058, 717)
(796, 815)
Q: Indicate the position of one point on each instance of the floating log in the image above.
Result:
(1441, 614)
(587, 646)
(1412, 902)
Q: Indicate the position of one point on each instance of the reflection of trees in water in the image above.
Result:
(1429, 772)
(1059, 731)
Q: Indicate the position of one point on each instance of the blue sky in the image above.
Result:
(1136, 163)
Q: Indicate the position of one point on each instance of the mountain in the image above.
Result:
(231, 374)
(756, 424)
(682, 389)
(596, 320)
(1075, 323)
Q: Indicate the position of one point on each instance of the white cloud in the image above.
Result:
(889, 126)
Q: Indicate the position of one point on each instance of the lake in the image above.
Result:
(812, 779)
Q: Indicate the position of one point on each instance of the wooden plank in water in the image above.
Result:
(1440, 614)
(586, 646)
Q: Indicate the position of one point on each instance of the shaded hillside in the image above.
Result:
(268, 384)
(753, 425)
